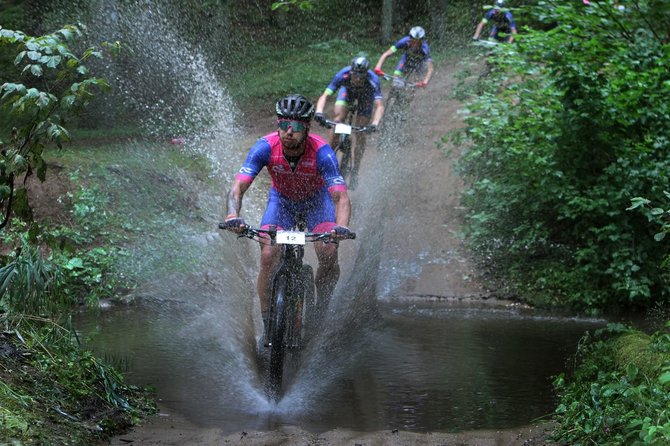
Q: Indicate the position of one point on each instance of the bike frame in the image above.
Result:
(344, 146)
(400, 93)
(292, 298)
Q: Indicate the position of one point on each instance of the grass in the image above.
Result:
(308, 70)
(135, 196)
(52, 392)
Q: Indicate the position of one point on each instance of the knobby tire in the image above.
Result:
(310, 310)
(346, 162)
(276, 336)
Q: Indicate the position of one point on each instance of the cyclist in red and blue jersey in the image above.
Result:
(504, 27)
(415, 58)
(355, 83)
(305, 181)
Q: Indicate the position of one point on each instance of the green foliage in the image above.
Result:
(57, 85)
(619, 393)
(569, 125)
(52, 392)
(29, 284)
(659, 218)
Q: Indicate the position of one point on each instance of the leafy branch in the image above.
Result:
(56, 84)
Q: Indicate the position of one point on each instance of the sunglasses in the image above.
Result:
(297, 126)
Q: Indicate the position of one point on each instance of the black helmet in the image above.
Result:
(360, 65)
(295, 106)
(417, 33)
(499, 3)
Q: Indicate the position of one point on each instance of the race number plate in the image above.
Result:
(343, 129)
(290, 238)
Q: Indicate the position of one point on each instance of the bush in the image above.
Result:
(620, 391)
(571, 124)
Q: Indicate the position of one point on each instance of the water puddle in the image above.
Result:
(414, 366)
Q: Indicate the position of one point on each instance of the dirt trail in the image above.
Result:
(426, 198)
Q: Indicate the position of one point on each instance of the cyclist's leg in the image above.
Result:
(279, 212)
(321, 218)
(340, 111)
(270, 256)
(328, 271)
(365, 106)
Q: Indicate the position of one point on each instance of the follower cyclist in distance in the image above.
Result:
(305, 180)
(354, 82)
(415, 59)
(503, 22)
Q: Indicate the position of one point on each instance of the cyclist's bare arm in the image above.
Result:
(379, 112)
(237, 191)
(382, 58)
(479, 29)
(234, 202)
(511, 37)
(321, 102)
(342, 207)
(429, 71)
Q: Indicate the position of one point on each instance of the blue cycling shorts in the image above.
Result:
(365, 102)
(318, 210)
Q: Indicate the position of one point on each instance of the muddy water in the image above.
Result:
(418, 366)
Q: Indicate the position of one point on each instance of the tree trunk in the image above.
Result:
(387, 21)
(437, 33)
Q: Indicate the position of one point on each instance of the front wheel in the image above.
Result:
(276, 332)
(344, 157)
(309, 307)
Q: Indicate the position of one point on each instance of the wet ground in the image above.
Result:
(484, 361)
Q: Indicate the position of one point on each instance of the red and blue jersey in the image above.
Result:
(317, 170)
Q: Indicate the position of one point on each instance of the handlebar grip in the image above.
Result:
(227, 226)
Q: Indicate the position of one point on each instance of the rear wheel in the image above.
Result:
(276, 331)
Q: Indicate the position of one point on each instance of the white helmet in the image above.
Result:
(499, 3)
(417, 33)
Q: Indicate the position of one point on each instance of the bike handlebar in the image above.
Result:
(398, 82)
(485, 43)
(330, 124)
(254, 233)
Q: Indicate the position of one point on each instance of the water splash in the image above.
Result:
(162, 82)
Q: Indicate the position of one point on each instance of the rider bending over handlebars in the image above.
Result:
(305, 181)
(415, 58)
(504, 27)
(355, 82)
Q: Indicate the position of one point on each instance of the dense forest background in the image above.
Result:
(237, 41)
(564, 157)
(576, 109)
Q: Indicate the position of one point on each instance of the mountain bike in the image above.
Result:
(489, 43)
(396, 110)
(348, 157)
(293, 306)
(396, 106)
